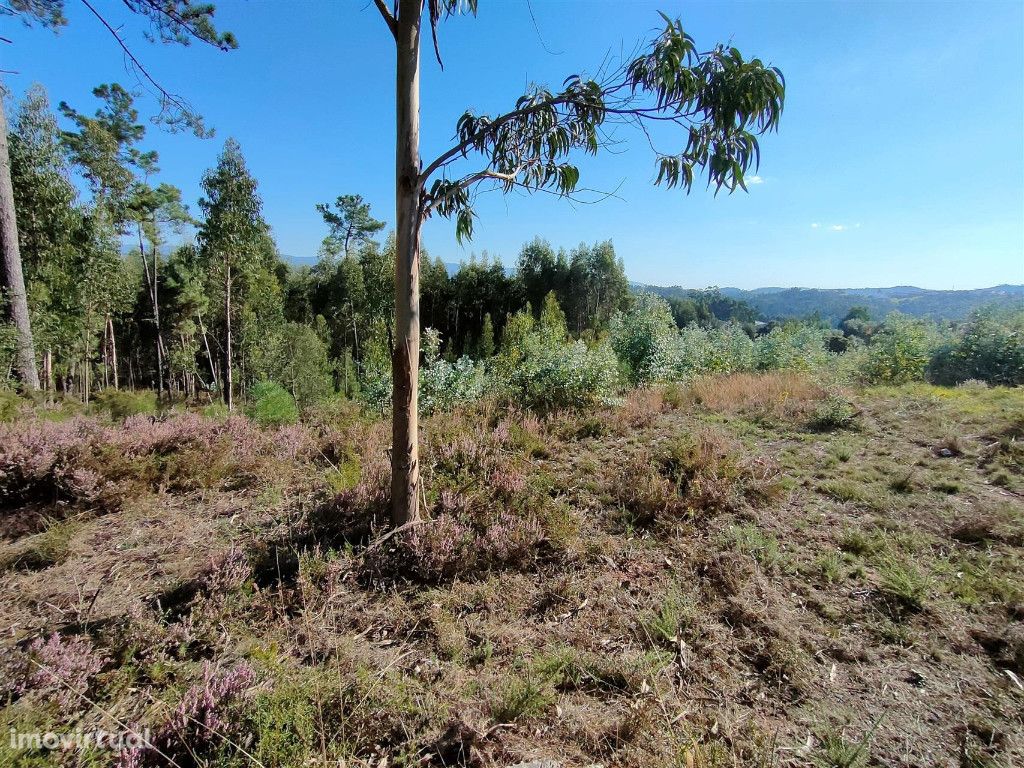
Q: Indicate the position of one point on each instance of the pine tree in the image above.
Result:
(230, 237)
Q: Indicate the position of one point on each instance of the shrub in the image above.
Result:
(696, 351)
(444, 385)
(642, 337)
(899, 352)
(271, 405)
(990, 348)
(545, 374)
(10, 403)
(834, 412)
(61, 668)
(792, 347)
(121, 403)
(83, 460)
(306, 371)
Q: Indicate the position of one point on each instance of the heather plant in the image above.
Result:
(204, 719)
(84, 461)
(61, 668)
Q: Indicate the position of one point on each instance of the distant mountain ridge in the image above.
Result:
(833, 303)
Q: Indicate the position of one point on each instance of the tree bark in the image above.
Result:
(228, 381)
(206, 345)
(11, 277)
(406, 352)
(153, 285)
(113, 349)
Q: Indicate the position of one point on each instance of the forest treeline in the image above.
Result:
(115, 305)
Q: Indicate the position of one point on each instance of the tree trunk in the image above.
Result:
(206, 345)
(228, 393)
(153, 285)
(48, 370)
(113, 349)
(406, 353)
(11, 278)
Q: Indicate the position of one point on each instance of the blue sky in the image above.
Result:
(899, 160)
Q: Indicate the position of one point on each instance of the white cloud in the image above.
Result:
(835, 227)
(754, 180)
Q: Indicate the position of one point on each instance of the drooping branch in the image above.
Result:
(720, 101)
(177, 21)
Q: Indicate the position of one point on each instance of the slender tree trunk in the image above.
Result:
(105, 349)
(11, 278)
(206, 345)
(406, 353)
(228, 384)
(153, 285)
(113, 349)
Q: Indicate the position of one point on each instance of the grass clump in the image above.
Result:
(663, 626)
(904, 585)
(833, 413)
(763, 547)
(835, 751)
(520, 697)
(694, 474)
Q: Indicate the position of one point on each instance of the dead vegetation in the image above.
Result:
(700, 577)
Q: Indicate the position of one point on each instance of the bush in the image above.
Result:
(549, 376)
(990, 348)
(306, 371)
(10, 403)
(642, 338)
(900, 351)
(271, 405)
(794, 348)
(443, 385)
(698, 351)
(121, 403)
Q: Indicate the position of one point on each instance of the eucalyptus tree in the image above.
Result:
(230, 237)
(12, 279)
(50, 230)
(169, 21)
(716, 99)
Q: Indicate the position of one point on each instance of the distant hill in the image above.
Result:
(833, 303)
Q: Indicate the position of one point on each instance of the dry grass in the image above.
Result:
(739, 621)
(780, 395)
